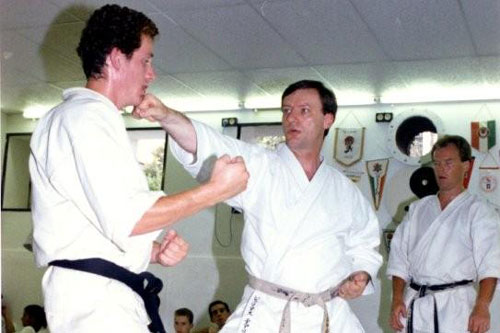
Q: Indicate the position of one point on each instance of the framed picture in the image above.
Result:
(16, 184)
(150, 147)
(268, 135)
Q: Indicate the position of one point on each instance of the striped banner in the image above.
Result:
(377, 170)
(483, 135)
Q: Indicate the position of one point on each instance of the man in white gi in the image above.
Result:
(447, 242)
(309, 233)
(95, 219)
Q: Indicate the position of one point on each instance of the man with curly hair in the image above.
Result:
(95, 219)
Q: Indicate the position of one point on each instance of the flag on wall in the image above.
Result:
(348, 148)
(377, 170)
(483, 135)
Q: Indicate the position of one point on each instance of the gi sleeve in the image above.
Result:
(398, 264)
(364, 239)
(211, 145)
(485, 234)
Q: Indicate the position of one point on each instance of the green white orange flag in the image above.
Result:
(483, 135)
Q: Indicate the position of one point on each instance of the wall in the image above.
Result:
(214, 268)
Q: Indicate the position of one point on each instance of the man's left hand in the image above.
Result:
(354, 286)
(479, 320)
(171, 250)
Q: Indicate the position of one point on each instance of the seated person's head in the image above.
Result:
(34, 316)
(183, 320)
(219, 312)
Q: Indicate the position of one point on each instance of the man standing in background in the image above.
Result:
(95, 219)
(446, 242)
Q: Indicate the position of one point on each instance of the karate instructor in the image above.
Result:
(447, 242)
(310, 237)
(95, 220)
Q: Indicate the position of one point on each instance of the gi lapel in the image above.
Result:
(424, 245)
(294, 217)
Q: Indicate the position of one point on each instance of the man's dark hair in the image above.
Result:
(36, 315)
(462, 145)
(215, 303)
(108, 27)
(327, 97)
(185, 312)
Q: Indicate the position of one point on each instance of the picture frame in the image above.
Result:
(16, 183)
(268, 134)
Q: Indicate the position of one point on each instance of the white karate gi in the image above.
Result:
(434, 246)
(305, 235)
(88, 194)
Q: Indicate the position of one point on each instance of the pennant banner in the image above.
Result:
(348, 145)
(377, 170)
(483, 135)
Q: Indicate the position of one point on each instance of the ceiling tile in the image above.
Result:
(323, 31)
(61, 38)
(240, 36)
(176, 51)
(484, 22)
(274, 81)
(182, 5)
(408, 29)
(217, 83)
(17, 98)
(33, 13)
(82, 9)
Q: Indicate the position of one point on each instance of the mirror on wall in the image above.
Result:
(16, 185)
(412, 134)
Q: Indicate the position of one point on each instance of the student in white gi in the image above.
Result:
(446, 242)
(309, 233)
(90, 196)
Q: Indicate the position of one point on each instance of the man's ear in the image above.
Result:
(115, 59)
(328, 120)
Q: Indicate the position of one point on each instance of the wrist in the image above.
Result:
(482, 304)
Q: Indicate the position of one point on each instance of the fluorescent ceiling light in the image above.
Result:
(263, 102)
(433, 92)
(35, 111)
(344, 98)
(202, 104)
(354, 98)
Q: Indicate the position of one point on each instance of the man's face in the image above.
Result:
(182, 325)
(303, 120)
(219, 314)
(448, 168)
(137, 73)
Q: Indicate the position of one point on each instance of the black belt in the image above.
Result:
(422, 291)
(144, 284)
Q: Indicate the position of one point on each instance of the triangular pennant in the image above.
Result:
(377, 170)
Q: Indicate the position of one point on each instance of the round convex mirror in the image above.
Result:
(411, 136)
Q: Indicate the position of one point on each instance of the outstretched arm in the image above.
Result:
(178, 126)
(229, 177)
(479, 320)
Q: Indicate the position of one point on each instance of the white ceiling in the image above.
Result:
(240, 50)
